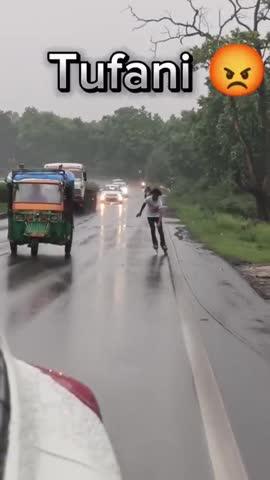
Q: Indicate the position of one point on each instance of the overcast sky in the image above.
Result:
(30, 28)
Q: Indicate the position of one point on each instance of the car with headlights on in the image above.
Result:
(111, 194)
(123, 187)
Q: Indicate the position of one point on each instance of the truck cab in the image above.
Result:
(80, 175)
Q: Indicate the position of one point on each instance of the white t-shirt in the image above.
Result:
(153, 207)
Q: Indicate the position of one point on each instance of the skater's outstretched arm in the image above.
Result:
(142, 209)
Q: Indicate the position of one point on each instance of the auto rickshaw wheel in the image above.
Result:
(34, 249)
(68, 249)
(13, 248)
(68, 246)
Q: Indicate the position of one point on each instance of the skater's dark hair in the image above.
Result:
(156, 191)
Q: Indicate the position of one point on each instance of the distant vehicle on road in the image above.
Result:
(83, 199)
(111, 194)
(117, 180)
(123, 185)
(40, 209)
(51, 426)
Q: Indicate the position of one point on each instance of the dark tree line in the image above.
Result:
(200, 145)
(119, 144)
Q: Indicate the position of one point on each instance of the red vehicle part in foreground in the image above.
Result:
(83, 393)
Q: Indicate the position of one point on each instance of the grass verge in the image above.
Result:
(228, 235)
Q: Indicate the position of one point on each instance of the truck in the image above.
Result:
(85, 195)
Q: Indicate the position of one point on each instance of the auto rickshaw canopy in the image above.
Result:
(60, 176)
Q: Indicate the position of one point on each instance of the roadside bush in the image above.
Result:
(226, 222)
(242, 205)
(248, 235)
(215, 198)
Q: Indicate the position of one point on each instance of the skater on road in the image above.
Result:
(154, 215)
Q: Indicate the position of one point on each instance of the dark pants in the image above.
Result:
(152, 221)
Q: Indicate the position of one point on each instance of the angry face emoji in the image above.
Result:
(236, 70)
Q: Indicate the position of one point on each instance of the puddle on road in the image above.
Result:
(181, 233)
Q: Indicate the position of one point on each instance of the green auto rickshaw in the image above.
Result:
(40, 208)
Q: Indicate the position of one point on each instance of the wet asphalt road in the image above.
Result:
(109, 318)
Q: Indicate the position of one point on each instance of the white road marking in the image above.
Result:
(223, 449)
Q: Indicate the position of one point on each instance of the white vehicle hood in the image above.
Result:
(68, 440)
(52, 434)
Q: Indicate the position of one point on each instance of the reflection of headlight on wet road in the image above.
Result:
(120, 210)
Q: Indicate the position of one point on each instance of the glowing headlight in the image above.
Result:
(124, 190)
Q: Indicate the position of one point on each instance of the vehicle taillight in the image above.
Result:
(78, 389)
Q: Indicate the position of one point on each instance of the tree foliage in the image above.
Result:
(197, 146)
(243, 125)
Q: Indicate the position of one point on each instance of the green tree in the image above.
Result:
(246, 24)
(8, 134)
(128, 138)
